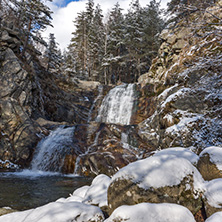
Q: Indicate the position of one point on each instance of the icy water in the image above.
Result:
(25, 190)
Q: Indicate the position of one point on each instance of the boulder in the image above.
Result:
(157, 179)
(213, 197)
(210, 163)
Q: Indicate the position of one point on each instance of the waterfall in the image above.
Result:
(51, 151)
(117, 105)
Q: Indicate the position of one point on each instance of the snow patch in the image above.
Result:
(57, 212)
(97, 192)
(215, 153)
(217, 217)
(160, 171)
(175, 95)
(179, 152)
(214, 193)
(151, 212)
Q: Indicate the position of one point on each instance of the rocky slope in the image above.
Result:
(185, 83)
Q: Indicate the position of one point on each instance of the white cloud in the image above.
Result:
(63, 17)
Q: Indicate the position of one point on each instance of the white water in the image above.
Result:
(117, 105)
(50, 152)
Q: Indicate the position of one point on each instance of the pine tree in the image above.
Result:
(31, 17)
(53, 55)
(133, 40)
(113, 61)
(96, 44)
(79, 45)
(153, 25)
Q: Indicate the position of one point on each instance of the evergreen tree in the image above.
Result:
(31, 17)
(53, 55)
(79, 45)
(153, 25)
(133, 39)
(113, 61)
(96, 44)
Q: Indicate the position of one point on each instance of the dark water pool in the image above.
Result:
(27, 189)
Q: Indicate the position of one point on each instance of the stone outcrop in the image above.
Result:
(108, 147)
(183, 85)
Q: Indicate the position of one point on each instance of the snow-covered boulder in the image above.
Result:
(217, 217)
(179, 152)
(210, 163)
(57, 212)
(157, 179)
(152, 213)
(213, 194)
(97, 192)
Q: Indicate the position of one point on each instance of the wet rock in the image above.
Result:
(109, 148)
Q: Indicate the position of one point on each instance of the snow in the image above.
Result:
(214, 193)
(57, 212)
(81, 192)
(217, 217)
(186, 120)
(97, 192)
(151, 212)
(175, 95)
(215, 153)
(8, 164)
(164, 94)
(160, 171)
(179, 152)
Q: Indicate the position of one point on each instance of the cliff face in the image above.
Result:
(30, 98)
(186, 84)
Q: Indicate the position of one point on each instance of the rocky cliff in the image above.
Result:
(33, 100)
(185, 85)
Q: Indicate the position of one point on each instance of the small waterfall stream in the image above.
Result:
(117, 105)
(50, 152)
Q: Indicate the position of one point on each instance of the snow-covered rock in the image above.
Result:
(217, 217)
(152, 213)
(210, 163)
(157, 179)
(213, 196)
(179, 152)
(57, 212)
(97, 192)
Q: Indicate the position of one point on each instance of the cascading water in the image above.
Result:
(117, 105)
(51, 151)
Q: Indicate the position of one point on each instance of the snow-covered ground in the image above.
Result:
(165, 168)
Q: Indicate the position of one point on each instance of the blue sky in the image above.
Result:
(65, 12)
(64, 3)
